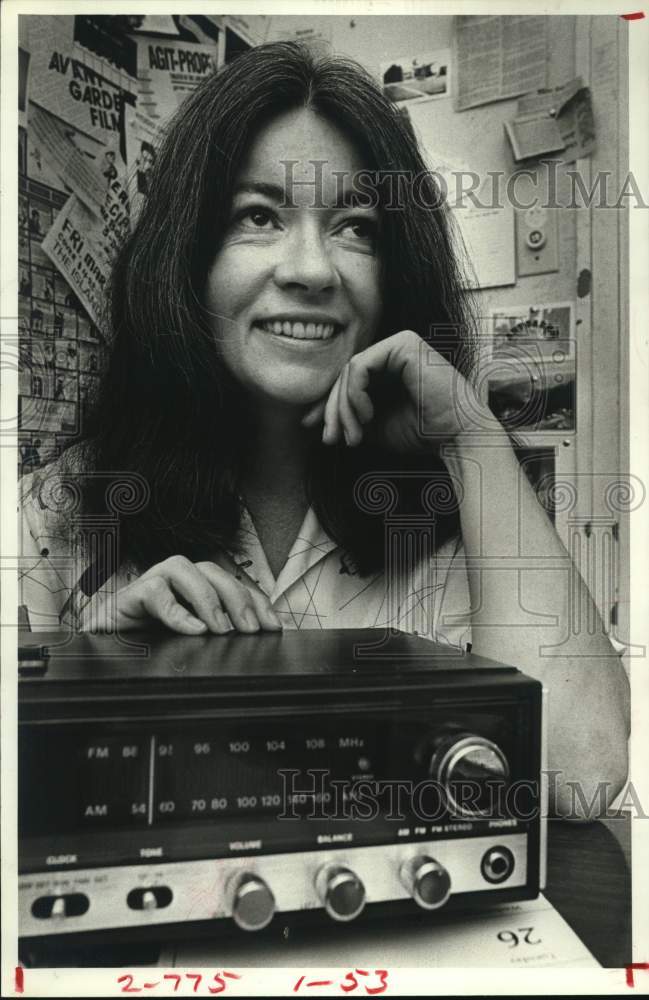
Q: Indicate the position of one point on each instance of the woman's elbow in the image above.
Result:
(602, 778)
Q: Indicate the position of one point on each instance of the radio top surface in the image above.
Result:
(310, 658)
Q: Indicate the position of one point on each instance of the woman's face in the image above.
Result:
(293, 291)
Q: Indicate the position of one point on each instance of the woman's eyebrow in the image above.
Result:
(349, 197)
(273, 191)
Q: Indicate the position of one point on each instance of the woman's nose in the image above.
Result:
(305, 260)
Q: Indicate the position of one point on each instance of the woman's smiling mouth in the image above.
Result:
(300, 329)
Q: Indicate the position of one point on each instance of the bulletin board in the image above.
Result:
(94, 92)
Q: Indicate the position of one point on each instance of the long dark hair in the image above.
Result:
(167, 408)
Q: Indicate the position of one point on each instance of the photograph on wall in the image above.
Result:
(532, 366)
(419, 77)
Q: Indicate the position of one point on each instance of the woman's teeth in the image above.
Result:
(300, 331)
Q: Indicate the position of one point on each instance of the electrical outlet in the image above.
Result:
(537, 241)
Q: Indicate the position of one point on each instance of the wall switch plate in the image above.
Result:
(537, 241)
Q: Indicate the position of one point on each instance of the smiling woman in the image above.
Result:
(294, 288)
(291, 361)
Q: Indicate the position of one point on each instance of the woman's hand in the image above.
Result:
(399, 393)
(166, 591)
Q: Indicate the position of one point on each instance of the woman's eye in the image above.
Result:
(256, 218)
(359, 229)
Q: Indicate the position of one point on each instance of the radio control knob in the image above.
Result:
(427, 881)
(341, 891)
(476, 763)
(252, 903)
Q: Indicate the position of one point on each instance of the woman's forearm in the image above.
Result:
(524, 589)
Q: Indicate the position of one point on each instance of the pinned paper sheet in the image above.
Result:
(559, 120)
(68, 162)
(498, 57)
(527, 935)
(168, 71)
(487, 232)
(82, 245)
(488, 235)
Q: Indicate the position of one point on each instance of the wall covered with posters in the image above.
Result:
(93, 92)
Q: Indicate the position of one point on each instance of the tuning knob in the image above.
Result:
(427, 881)
(471, 769)
(252, 902)
(341, 891)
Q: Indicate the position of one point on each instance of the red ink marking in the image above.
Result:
(383, 976)
(20, 979)
(353, 983)
(127, 979)
(232, 975)
(631, 967)
(639, 14)
(320, 982)
(298, 984)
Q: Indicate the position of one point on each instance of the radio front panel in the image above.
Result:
(323, 795)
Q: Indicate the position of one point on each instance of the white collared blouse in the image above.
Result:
(318, 587)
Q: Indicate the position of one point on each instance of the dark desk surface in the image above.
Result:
(589, 883)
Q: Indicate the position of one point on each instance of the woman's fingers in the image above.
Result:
(217, 599)
(267, 617)
(241, 599)
(350, 423)
(331, 432)
(189, 583)
(357, 394)
(154, 598)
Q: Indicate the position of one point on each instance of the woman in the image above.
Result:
(291, 348)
